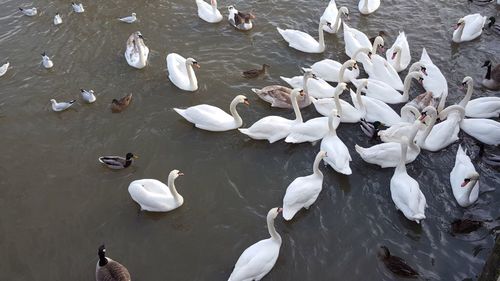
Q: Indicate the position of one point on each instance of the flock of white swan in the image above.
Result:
(416, 128)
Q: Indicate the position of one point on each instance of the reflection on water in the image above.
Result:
(58, 203)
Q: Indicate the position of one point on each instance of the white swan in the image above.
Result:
(154, 196)
(389, 154)
(395, 132)
(257, 260)
(405, 190)
(274, 128)
(384, 92)
(464, 180)
(484, 107)
(486, 131)
(332, 15)
(355, 40)
(211, 118)
(434, 80)
(304, 42)
(317, 88)
(468, 28)
(368, 6)
(379, 69)
(303, 191)
(136, 52)
(4, 68)
(57, 19)
(332, 71)
(314, 129)
(437, 137)
(181, 73)
(399, 54)
(374, 109)
(208, 12)
(338, 156)
(347, 112)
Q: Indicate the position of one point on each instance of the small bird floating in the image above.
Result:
(88, 95)
(254, 73)
(118, 162)
(242, 21)
(57, 19)
(61, 106)
(4, 68)
(77, 8)
(46, 61)
(119, 105)
(31, 12)
(129, 19)
(395, 264)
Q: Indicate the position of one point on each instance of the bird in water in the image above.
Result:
(78, 8)
(371, 130)
(121, 104)
(465, 226)
(108, 269)
(254, 73)
(46, 61)
(395, 264)
(118, 162)
(481, 2)
(57, 19)
(129, 19)
(88, 95)
(29, 12)
(61, 106)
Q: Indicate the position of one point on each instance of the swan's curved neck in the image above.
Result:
(407, 85)
(442, 101)
(171, 186)
(190, 73)
(316, 169)
(398, 56)
(321, 36)
(234, 113)
(296, 109)
(466, 99)
(331, 127)
(338, 106)
(362, 107)
(428, 130)
(336, 25)
(401, 167)
(468, 188)
(272, 230)
(458, 34)
(366, 5)
(305, 88)
(409, 110)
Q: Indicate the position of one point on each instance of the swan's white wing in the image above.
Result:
(385, 72)
(354, 40)
(256, 261)
(299, 40)
(301, 192)
(338, 156)
(377, 110)
(205, 115)
(402, 42)
(485, 130)
(484, 107)
(473, 26)
(310, 131)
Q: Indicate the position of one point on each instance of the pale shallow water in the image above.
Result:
(58, 204)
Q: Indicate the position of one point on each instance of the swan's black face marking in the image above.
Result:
(421, 80)
(369, 55)
(466, 181)
(245, 101)
(424, 70)
(314, 76)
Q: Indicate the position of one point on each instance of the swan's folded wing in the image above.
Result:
(207, 114)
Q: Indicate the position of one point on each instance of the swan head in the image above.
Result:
(352, 63)
(428, 111)
(297, 92)
(379, 42)
(487, 63)
(397, 49)
(242, 99)
(213, 2)
(133, 14)
(459, 23)
(310, 74)
(273, 213)
(53, 101)
(175, 174)
(470, 177)
(344, 12)
(341, 87)
(467, 81)
(322, 154)
(325, 22)
(192, 62)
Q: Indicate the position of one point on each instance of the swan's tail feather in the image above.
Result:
(281, 31)
(359, 149)
(244, 131)
(286, 79)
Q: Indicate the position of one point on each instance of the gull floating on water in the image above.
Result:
(29, 12)
(78, 8)
(60, 106)
(88, 95)
(3, 68)
(47, 63)
(57, 19)
(129, 19)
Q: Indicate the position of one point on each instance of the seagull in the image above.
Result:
(60, 106)
(47, 63)
(129, 19)
(4, 68)
(57, 19)
(29, 12)
(78, 8)
(88, 95)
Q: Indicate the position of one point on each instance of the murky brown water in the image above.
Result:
(58, 204)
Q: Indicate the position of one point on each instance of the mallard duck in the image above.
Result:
(395, 264)
(465, 226)
(108, 269)
(254, 73)
(121, 104)
(118, 162)
(371, 130)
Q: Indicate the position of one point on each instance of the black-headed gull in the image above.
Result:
(29, 12)
(60, 106)
(88, 95)
(129, 19)
(78, 8)
(47, 63)
(57, 19)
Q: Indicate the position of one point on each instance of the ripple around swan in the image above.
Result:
(55, 193)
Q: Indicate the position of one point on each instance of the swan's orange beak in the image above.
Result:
(196, 65)
(180, 174)
(280, 210)
(394, 55)
(246, 102)
(466, 181)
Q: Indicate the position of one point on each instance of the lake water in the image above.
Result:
(59, 204)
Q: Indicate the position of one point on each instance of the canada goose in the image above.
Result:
(254, 73)
(492, 78)
(108, 269)
(121, 104)
(395, 264)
